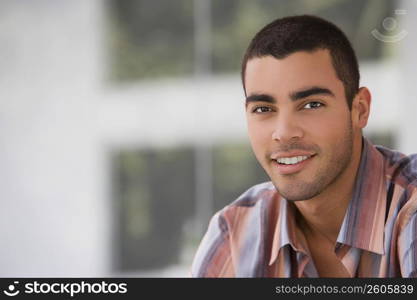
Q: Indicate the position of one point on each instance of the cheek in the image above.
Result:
(260, 137)
(328, 128)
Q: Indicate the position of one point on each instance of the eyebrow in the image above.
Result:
(294, 96)
(260, 98)
(315, 90)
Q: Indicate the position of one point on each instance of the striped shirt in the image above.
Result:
(257, 234)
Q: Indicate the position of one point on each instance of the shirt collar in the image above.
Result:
(286, 231)
(363, 224)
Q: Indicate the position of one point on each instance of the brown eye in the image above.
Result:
(313, 105)
(261, 109)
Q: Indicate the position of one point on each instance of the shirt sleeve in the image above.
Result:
(408, 252)
(213, 257)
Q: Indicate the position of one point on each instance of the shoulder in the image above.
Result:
(407, 246)
(227, 227)
(254, 195)
(401, 184)
(250, 198)
(251, 204)
(400, 168)
(242, 207)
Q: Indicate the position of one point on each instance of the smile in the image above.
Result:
(292, 165)
(292, 160)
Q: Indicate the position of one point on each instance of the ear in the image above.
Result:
(361, 106)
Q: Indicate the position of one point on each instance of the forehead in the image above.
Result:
(300, 69)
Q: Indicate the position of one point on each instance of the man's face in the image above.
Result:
(299, 123)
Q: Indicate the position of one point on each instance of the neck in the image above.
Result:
(323, 215)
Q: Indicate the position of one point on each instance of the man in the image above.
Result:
(337, 205)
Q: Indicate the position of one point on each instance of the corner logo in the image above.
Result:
(11, 291)
(390, 25)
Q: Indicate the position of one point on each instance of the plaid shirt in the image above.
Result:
(257, 235)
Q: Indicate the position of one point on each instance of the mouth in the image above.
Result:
(292, 164)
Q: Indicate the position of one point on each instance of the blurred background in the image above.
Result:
(122, 123)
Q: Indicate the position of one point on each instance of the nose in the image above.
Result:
(286, 128)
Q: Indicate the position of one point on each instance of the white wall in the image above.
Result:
(408, 98)
(52, 217)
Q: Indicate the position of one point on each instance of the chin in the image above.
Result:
(298, 191)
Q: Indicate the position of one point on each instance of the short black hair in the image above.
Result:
(308, 33)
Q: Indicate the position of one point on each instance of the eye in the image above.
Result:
(261, 109)
(313, 105)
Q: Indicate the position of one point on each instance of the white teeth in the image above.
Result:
(291, 160)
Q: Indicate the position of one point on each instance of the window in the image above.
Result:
(153, 39)
(153, 197)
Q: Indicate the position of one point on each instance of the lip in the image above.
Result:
(290, 169)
